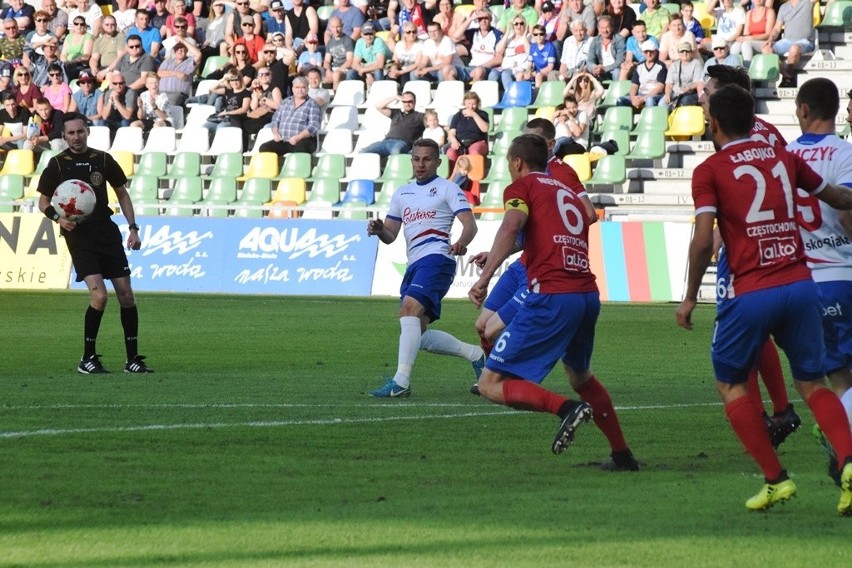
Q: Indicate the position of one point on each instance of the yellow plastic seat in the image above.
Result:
(19, 163)
(581, 164)
(290, 189)
(263, 165)
(686, 122)
(125, 160)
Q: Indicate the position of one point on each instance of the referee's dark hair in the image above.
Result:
(728, 75)
(532, 150)
(71, 116)
(733, 109)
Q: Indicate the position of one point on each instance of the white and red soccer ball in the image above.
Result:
(74, 200)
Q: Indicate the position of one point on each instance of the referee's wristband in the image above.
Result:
(50, 213)
(132, 227)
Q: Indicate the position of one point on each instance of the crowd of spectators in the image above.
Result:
(137, 64)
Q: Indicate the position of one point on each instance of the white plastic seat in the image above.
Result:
(367, 137)
(364, 166)
(128, 138)
(99, 138)
(228, 139)
(374, 121)
(422, 90)
(198, 115)
(161, 139)
(448, 94)
(337, 141)
(488, 91)
(203, 88)
(343, 117)
(318, 210)
(379, 91)
(348, 93)
(265, 135)
(194, 139)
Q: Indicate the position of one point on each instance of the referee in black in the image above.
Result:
(95, 243)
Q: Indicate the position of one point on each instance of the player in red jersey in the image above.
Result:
(784, 420)
(749, 187)
(557, 319)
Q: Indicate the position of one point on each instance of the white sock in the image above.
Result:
(846, 400)
(442, 343)
(409, 345)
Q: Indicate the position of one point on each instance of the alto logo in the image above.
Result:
(774, 250)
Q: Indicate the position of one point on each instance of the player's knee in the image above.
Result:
(126, 298)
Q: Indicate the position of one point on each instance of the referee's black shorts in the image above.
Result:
(97, 248)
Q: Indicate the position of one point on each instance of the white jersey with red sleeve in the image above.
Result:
(766, 132)
(827, 246)
(427, 211)
(556, 234)
(751, 187)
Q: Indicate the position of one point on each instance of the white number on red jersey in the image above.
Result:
(756, 213)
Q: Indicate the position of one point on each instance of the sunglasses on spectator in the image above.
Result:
(55, 74)
(180, 27)
(408, 102)
(368, 34)
(117, 83)
(719, 48)
(519, 23)
(134, 46)
(79, 23)
(411, 31)
(42, 20)
(234, 79)
(538, 34)
(247, 24)
(241, 52)
(263, 74)
(22, 74)
(268, 51)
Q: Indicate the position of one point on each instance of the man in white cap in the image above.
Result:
(721, 55)
(648, 81)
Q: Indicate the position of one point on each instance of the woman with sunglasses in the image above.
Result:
(265, 100)
(57, 91)
(26, 92)
(514, 47)
(587, 90)
(77, 49)
(237, 100)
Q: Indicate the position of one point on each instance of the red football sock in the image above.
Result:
(773, 378)
(747, 422)
(593, 392)
(754, 388)
(487, 346)
(524, 395)
(832, 420)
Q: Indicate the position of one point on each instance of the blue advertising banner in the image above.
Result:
(252, 256)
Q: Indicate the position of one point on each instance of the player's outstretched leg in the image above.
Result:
(409, 344)
(442, 343)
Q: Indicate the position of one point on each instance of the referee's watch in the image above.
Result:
(133, 227)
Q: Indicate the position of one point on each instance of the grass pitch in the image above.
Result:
(254, 444)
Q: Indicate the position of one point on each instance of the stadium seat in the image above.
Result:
(342, 117)
(324, 12)
(838, 14)
(18, 162)
(581, 165)
(296, 164)
(99, 138)
(671, 8)
(221, 192)
(512, 119)
(422, 90)
(617, 118)
(125, 160)
(213, 63)
(185, 164)
(151, 164)
(649, 145)
(609, 170)
(686, 122)
(615, 90)
(194, 139)
(161, 139)
(549, 94)
(337, 141)
(348, 93)
(545, 112)
(379, 91)
(329, 166)
(11, 188)
(262, 165)
(499, 170)
(255, 193)
(227, 165)
(291, 189)
(700, 13)
(186, 193)
(198, 115)
(363, 190)
(144, 189)
(283, 209)
(325, 190)
(353, 210)
(621, 137)
(493, 197)
(263, 136)
(364, 166)
(388, 189)
(226, 140)
(652, 118)
(488, 91)
(765, 67)
(501, 143)
(477, 167)
(128, 138)
(443, 169)
(45, 157)
(397, 167)
(203, 88)
(519, 94)
(448, 94)
(464, 9)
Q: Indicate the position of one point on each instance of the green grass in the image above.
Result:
(254, 445)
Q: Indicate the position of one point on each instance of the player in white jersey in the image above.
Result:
(826, 231)
(427, 209)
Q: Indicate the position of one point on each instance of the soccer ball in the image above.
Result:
(74, 200)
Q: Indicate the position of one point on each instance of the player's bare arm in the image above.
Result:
(468, 232)
(838, 196)
(700, 253)
(386, 230)
(504, 243)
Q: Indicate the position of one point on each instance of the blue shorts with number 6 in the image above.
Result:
(546, 328)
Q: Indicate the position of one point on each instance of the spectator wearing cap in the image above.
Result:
(296, 123)
(253, 42)
(369, 56)
(311, 57)
(685, 79)
(575, 51)
(633, 49)
(37, 38)
(90, 12)
(280, 68)
(302, 21)
(351, 17)
(606, 52)
(38, 64)
(108, 47)
(649, 78)
(623, 17)
(88, 100)
(339, 52)
(149, 35)
(234, 28)
(179, 11)
(176, 73)
(181, 35)
(277, 20)
(135, 64)
(549, 20)
(676, 35)
(21, 12)
(721, 56)
(517, 8)
(13, 43)
(482, 41)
